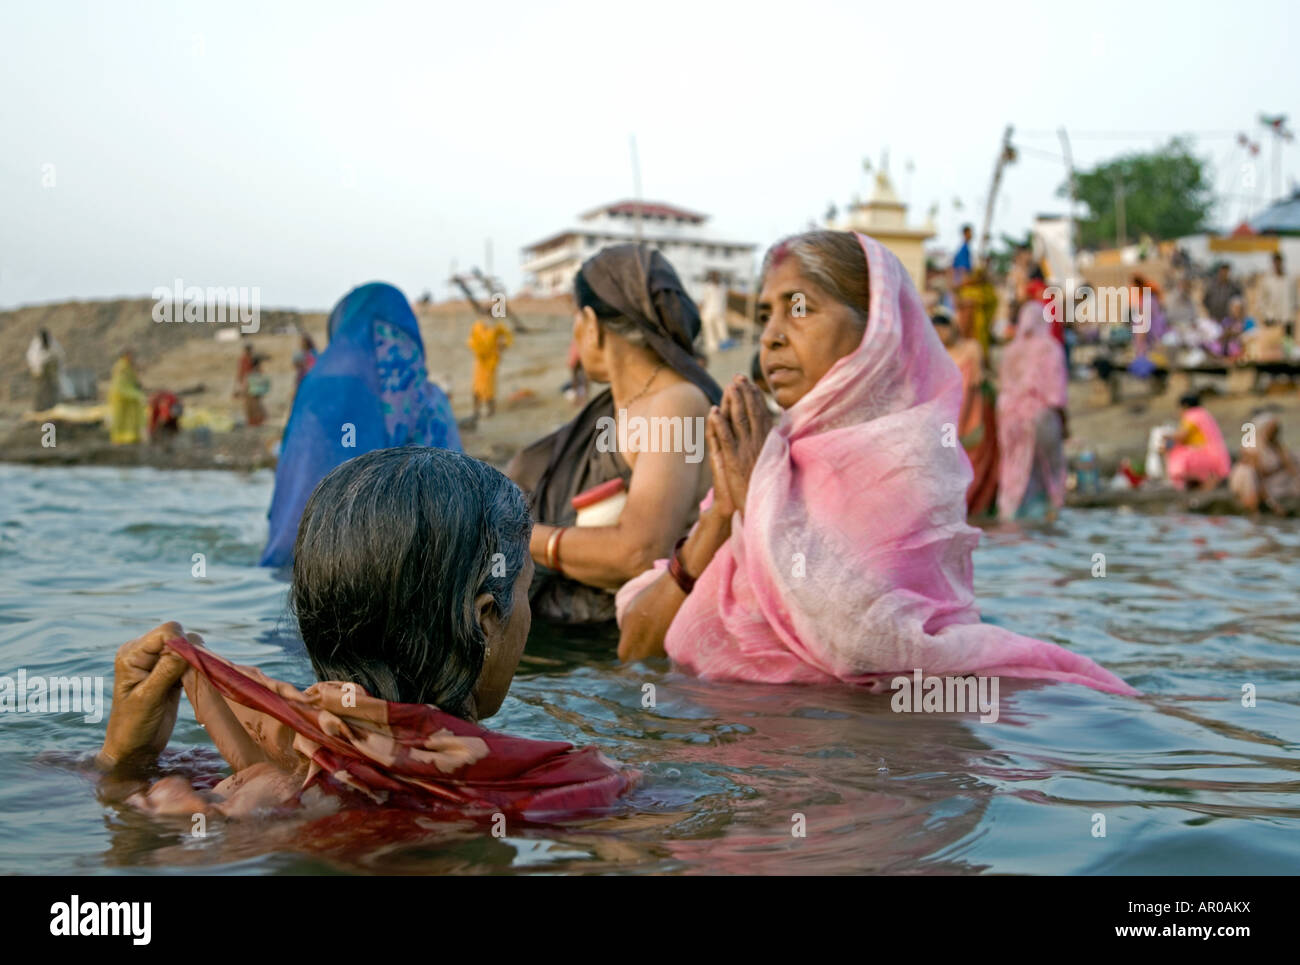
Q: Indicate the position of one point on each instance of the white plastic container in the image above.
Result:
(601, 505)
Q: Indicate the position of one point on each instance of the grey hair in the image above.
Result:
(832, 260)
(393, 549)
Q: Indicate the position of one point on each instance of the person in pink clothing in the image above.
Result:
(1032, 399)
(1197, 456)
(834, 544)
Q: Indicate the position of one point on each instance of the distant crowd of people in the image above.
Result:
(1013, 349)
(1188, 332)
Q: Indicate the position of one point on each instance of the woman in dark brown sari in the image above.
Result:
(634, 327)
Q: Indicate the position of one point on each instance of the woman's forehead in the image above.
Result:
(785, 279)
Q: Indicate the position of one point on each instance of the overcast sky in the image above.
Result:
(305, 148)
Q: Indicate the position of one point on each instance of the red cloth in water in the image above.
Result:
(381, 753)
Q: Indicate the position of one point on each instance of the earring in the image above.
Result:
(487, 652)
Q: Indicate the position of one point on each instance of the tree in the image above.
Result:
(1166, 194)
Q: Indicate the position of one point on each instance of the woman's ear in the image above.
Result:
(489, 619)
(592, 324)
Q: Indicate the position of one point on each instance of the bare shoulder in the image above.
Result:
(682, 398)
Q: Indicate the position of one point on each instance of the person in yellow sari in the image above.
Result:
(125, 402)
(982, 301)
(487, 342)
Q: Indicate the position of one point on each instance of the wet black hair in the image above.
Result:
(1190, 400)
(393, 548)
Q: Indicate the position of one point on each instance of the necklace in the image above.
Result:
(653, 375)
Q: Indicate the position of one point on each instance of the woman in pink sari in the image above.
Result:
(410, 586)
(1032, 399)
(1197, 456)
(835, 544)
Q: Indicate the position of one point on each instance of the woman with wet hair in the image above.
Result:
(410, 581)
(634, 326)
(835, 545)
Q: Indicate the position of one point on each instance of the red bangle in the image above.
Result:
(678, 572)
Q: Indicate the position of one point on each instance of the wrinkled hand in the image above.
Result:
(723, 505)
(737, 430)
(146, 695)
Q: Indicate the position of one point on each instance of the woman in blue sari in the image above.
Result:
(368, 390)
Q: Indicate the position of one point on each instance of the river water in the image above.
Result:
(1188, 778)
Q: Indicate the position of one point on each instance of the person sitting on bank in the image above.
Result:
(1197, 457)
(1266, 474)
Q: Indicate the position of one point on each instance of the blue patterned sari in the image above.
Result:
(368, 390)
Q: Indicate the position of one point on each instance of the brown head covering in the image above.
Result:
(642, 287)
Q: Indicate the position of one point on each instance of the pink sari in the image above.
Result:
(1032, 381)
(853, 559)
(1207, 464)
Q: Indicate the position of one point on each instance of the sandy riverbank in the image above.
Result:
(189, 360)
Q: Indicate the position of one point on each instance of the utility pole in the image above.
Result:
(1074, 193)
(1005, 157)
(1277, 124)
(1121, 232)
(636, 187)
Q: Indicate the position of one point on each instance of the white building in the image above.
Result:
(680, 235)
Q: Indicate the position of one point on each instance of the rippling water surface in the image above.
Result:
(1187, 779)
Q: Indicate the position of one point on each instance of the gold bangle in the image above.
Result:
(550, 547)
(558, 567)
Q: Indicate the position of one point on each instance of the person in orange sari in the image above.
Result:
(977, 425)
(1197, 456)
(487, 343)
